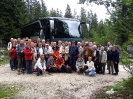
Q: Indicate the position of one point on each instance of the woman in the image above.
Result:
(28, 52)
(40, 65)
(91, 69)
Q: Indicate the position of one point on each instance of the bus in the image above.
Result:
(54, 29)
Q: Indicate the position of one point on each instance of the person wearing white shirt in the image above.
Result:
(40, 65)
(91, 68)
(48, 51)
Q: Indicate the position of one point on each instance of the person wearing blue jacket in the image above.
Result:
(73, 52)
(116, 59)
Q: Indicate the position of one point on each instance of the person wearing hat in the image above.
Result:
(87, 52)
(73, 52)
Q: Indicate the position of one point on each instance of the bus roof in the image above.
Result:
(49, 18)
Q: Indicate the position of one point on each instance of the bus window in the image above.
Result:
(42, 34)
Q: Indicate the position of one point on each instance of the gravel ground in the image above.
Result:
(58, 85)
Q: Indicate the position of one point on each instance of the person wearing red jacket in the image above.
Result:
(60, 64)
(28, 58)
(56, 52)
(13, 55)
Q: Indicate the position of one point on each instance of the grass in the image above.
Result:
(7, 91)
(124, 90)
(6, 57)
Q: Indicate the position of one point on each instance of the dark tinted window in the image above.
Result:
(67, 29)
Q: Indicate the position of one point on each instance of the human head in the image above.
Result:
(43, 42)
(102, 48)
(73, 43)
(51, 56)
(108, 44)
(115, 47)
(110, 47)
(89, 58)
(42, 56)
(60, 56)
(21, 42)
(94, 47)
(40, 45)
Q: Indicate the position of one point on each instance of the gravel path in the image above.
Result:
(58, 85)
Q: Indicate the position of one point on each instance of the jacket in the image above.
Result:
(56, 54)
(40, 64)
(90, 65)
(90, 52)
(80, 63)
(27, 54)
(116, 56)
(109, 55)
(59, 62)
(73, 51)
(13, 53)
(103, 57)
(96, 57)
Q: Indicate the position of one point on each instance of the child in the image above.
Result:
(91, 69)
(41, 65)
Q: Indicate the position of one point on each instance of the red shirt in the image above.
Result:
(13, 53)
(27, 53)
(59, 62)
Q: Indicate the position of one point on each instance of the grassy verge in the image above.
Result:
(6, 57)
(8, 91)
(124, 90)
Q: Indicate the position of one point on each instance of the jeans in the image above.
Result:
(73, 62)
(90, 73)
(39, 71)
(62, 69)
(13, 63)
(28, 66)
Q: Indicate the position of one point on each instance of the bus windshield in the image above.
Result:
(67, 29)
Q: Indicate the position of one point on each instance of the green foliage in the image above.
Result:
(12, 16)
(68, 13)
(6, 57)
(6, 91)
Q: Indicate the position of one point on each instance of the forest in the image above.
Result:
(117, 29)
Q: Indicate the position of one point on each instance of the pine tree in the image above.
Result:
(68, 13)
(13, 14)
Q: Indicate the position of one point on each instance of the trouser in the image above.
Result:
(116, 68)
(13, 63)
(20, 63)
(39, 71)
(102, 67)
(110, 66)
(62, 69)
(51, 69)
(90, 73)
(86, 59)
(73, 62)
(28, 66)
(97, 67)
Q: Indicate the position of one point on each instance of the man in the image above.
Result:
(80, 48)
(60, 63)
(103, 60)
(48, 51)
(116, 59)
(51, 66)
(106, 48)
(87, 52)
(73, 52)
(80, 64)
(110, 60)
(96, 58)
(20, 56)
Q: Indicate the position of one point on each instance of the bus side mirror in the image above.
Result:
(88, 27)
(52, 24)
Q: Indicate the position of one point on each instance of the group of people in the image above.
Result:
(43, 56)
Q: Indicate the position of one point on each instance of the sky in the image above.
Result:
(62, 4)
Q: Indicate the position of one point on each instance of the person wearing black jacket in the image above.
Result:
(116, 59)
(110, 60)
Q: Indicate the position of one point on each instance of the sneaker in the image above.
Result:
(37, 74)
(84, 74)
(13, 69)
